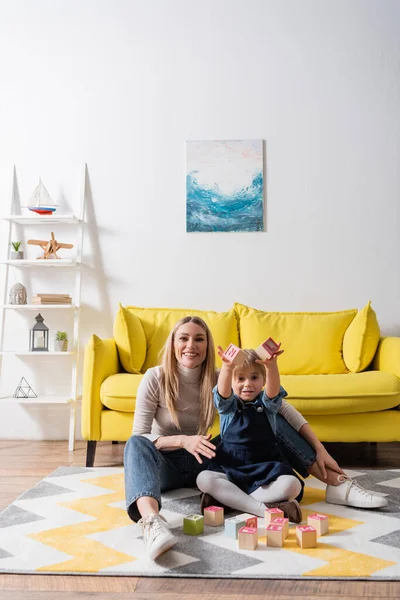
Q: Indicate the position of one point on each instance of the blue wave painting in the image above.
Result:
(224, 186)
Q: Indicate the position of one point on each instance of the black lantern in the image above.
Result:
(39, 336)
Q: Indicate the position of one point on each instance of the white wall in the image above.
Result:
(122, 84)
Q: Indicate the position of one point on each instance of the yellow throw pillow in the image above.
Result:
(361, 340)
(312, 342)
(130, 339)
(158, 322)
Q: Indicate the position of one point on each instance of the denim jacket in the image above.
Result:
(227, 407)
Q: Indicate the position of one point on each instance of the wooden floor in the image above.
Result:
(23, 464)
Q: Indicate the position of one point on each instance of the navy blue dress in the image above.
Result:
(249, 453)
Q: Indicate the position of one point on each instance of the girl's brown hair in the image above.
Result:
(170, 379)
(251, 362)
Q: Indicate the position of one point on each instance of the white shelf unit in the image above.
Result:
(49, 221)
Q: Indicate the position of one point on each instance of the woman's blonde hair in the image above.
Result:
(170, 379)
(251, 362)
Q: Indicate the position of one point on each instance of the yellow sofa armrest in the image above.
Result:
(387, 356)
(100, 361)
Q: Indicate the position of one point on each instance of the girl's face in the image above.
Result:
(190, 345)
(247, 383)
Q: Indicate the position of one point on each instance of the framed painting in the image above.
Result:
(224, 185)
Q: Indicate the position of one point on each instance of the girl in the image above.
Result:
(249, 471)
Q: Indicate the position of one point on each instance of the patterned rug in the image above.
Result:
(74, 521)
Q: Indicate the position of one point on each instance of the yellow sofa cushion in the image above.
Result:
(342, 394)
(361, 340)
(158, 322)
(118, 392)
(130, 339)
(312, 341)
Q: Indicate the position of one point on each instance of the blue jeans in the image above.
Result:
(149, 472)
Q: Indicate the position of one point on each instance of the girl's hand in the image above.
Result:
(199, 445)
(325, 461)
(225, 360)
(267, 362)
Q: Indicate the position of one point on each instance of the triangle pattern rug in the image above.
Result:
(74, 522)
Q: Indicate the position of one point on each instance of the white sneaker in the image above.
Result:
(350, 493)
(157, 536)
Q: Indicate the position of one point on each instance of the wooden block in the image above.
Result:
(235, 355)
(193, 524)
(267, 349)
(233, 525)
(275, 535)
(249, 520)
(214, 516)
(248, 538)
(285, 524)
(319, 522)
(306, 536)
(272, 513)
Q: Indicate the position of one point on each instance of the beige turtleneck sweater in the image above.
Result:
(153, 420)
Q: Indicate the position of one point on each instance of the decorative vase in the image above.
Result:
(61, 345)
(17, 255)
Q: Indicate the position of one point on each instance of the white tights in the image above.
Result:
(286, 487)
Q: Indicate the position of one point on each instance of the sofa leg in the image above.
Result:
(90, 453)
(115, 443)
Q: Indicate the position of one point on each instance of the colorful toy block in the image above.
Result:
(193, 524)
(275, 535)
(319, 522)
(271, 514)
(249, 520)
(306, 536)
(285, 524)
(235, 355)
(267, 349)
(248, 538)
(233, 525)
(214, 516)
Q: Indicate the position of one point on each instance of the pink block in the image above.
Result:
(305, 528)
(214, 508)
(247, 530)
(235, 355)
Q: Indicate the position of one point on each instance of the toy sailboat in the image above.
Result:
(41, 201)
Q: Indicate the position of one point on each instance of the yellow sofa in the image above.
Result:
(338, 371)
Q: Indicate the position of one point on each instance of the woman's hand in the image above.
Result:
(199, 445)
(325, 461)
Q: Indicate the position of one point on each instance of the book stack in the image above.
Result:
(52, 299)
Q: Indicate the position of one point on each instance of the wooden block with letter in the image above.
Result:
(267, 349)
(248, 538)
(214, 516)
(306, 536)
(235, 355)
(285, 524)
(275, 535)
(319, 522)
(233, 525)
(249, 520)
(193, 524)
(272, 513)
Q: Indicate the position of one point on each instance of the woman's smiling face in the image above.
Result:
(190, 345)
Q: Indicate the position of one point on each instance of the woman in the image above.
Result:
(170, 446)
